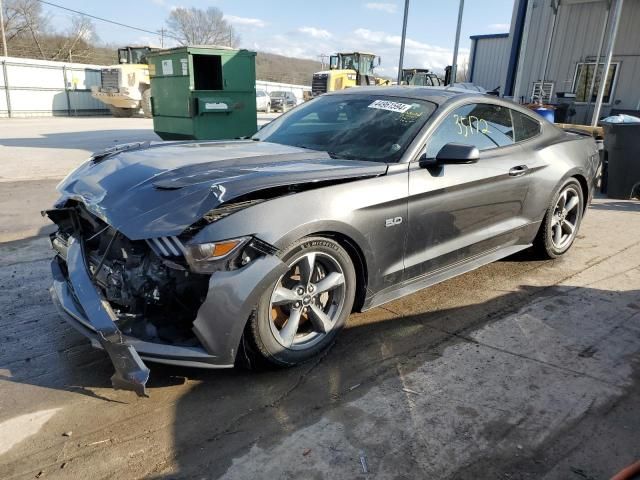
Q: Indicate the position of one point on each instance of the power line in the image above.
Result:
(108, 21)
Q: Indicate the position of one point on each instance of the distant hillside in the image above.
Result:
(270, 67)
(278, 68)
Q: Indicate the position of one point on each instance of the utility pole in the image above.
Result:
(555, 5)
(454, 64)
(589, 97)
(4, 38)
(322, 58)
(404, 36)
(617, 13)
(162, 38)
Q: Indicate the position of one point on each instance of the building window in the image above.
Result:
(582, 81)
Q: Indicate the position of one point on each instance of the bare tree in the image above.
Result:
(462, 72)
(194, 26)
(78, 40)
(30, 35)
(23, 19)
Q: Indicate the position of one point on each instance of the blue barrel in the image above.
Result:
(547, 113)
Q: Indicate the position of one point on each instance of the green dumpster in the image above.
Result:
(203, 93)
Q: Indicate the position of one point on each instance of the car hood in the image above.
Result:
(147, 191)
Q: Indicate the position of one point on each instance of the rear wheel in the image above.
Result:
(300, 315)
(562, 221)
(122, 112)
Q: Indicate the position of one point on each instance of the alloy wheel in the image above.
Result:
(307, 301)
(565, 218)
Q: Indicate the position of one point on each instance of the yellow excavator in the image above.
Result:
(347, 70)
(125, 87)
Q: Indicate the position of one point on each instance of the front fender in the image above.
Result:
(232, 297)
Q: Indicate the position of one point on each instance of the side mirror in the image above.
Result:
(458, 153)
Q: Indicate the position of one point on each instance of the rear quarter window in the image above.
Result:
(524, 127)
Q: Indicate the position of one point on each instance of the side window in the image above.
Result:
(524, 127)
(482, 125)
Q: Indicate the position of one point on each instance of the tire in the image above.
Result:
(122, 112)
(145, 103)
(268, 341)
(556, 235)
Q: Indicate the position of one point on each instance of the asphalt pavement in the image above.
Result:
(523, 369)
(36, 153)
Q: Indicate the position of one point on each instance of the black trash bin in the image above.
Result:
(565, 109)
(622, 153)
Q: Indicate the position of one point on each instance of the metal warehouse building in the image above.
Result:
(552, 48)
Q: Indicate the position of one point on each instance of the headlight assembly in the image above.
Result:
(209, 257)
(226, 254)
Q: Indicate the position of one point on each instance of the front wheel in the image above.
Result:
(562, 220)
(300, 315)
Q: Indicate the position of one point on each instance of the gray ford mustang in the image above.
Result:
(209, 253)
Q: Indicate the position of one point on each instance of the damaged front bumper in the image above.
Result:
(219, 324)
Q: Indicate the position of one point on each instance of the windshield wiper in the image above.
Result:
(306, 147)
(341, 156)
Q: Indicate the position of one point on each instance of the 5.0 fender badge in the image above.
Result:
(391, 222)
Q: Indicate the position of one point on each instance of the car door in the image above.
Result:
(458, 211)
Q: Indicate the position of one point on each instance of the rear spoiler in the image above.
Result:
(584, 130)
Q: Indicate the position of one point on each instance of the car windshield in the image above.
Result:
(354, 126)
(278, 94)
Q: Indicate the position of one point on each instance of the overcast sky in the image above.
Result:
(307, 29)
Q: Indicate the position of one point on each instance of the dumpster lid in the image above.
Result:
(206, 49)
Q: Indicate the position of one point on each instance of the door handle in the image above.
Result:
(518, 171)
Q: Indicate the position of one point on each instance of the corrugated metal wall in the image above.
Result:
(31, 87)
(490, 58)
(578, 28)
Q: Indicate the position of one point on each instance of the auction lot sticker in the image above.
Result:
(391, 106)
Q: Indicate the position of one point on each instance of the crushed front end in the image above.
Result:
(142, 299)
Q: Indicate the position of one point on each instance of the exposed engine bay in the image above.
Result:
(154, 298)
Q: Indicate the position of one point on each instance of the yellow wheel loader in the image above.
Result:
(420, 77)
(125, 87)
(347, 70)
